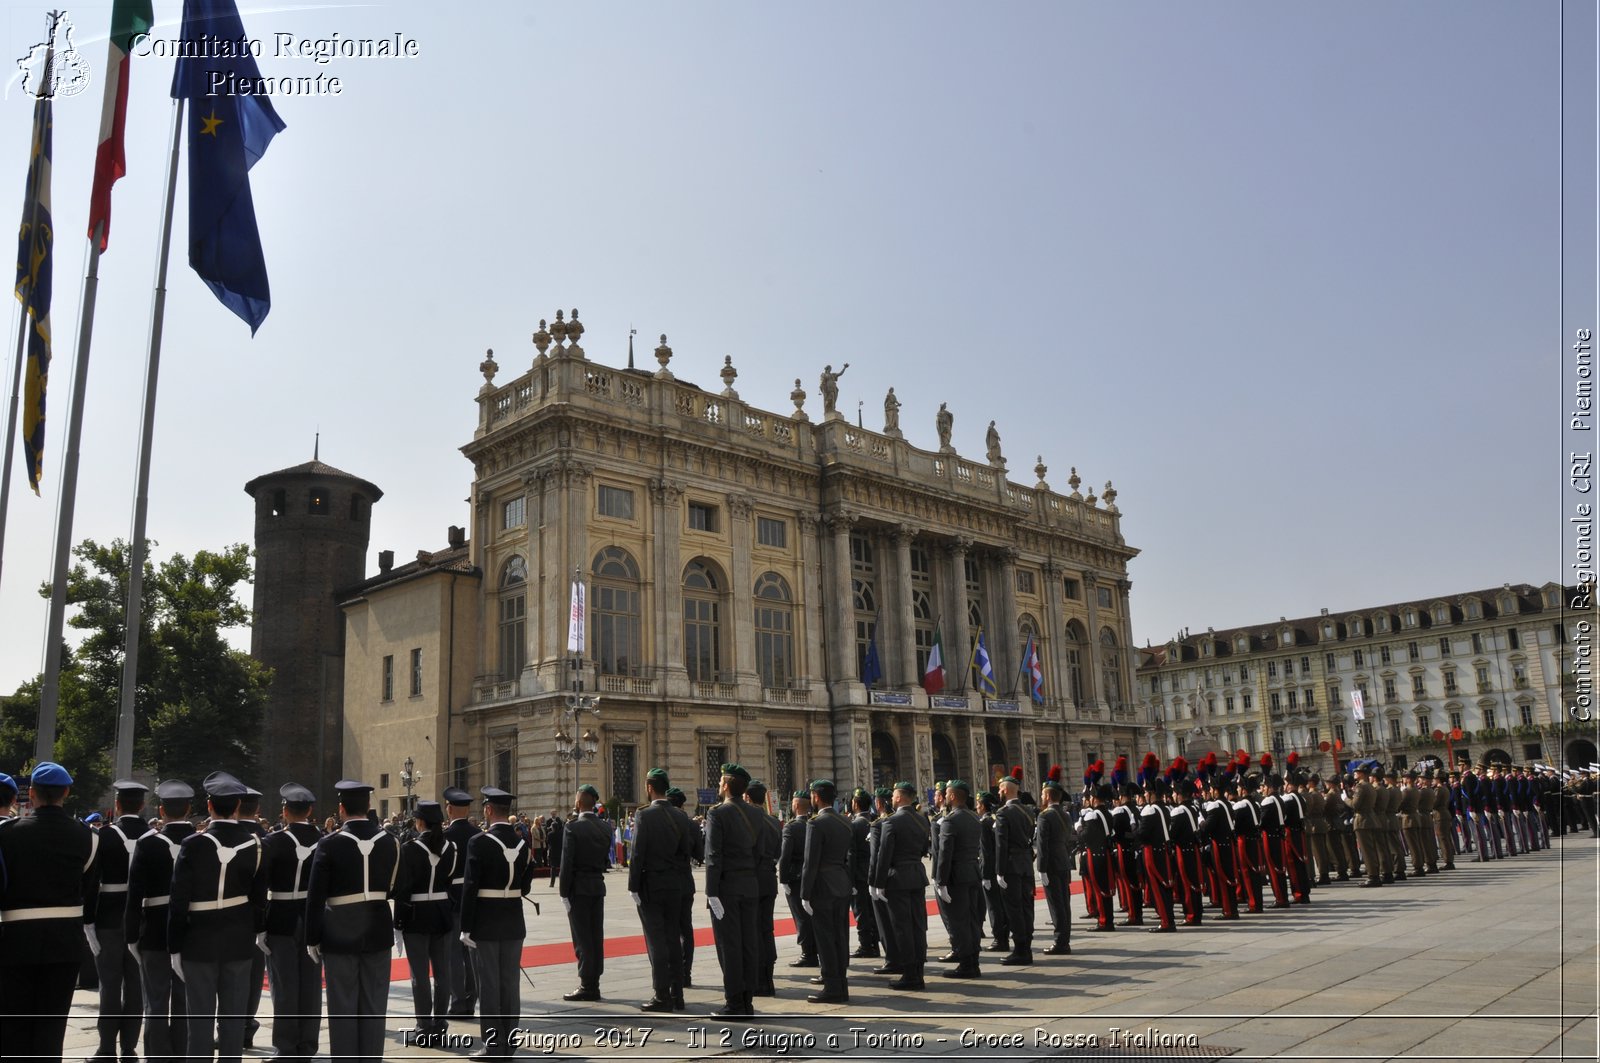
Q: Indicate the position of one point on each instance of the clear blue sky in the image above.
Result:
(1285, 273)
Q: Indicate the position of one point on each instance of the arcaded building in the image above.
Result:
(743, 571)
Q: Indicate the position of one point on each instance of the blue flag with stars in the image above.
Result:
(228, 131)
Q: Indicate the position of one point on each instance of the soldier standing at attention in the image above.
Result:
(697, 854)
(882, 799)
(791, 863)
(899, 873)
(1053, 838)
(349, 926)
(499, 871)
(166, 1032)
(1363, 802)
(428, 861)
(1013, 854)
(732, 841)
(958, 874)
(295, 978)
(825, 889)
(993, 898)
(860, 876)
(661, 843)
(217, 891)
(769, 845)
(583, 891)
(459, 831)
(121, 1001)
(49, 863)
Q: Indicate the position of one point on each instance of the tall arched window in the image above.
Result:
(702, 621)
(922, 616)
(865, 601)
(774, 631)
(513, 617)
(972, 575)
(1074, 655)
(616, 641)
(1110, 668)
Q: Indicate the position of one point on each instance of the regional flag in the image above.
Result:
(1034, 671)
(228, 134)
(35, 261)
(129, 19)
(984, 667)
(871, 667)
(933, 675)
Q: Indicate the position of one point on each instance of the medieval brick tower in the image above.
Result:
(312, 527)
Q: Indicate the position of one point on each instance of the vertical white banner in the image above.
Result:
(576, 625)
(1358, 708)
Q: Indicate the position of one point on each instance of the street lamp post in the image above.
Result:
(408, 777)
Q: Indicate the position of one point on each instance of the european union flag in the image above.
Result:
(229, 130)
(871, 668)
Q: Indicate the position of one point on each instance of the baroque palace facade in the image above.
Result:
(737, 565)
(1496, 665)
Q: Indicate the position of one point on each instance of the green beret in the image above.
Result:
(907, 787)
(938, 784)
(587, 788)
(882, 791)
(737, 771)
(986, 798)
(823, 784)
(803, 795)
(859, 792)
(656, 773)
(673, 791)
(959, 784)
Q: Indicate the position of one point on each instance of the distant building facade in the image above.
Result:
(739, 567)
(1493, 664)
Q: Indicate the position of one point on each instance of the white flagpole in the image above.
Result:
(141, 501)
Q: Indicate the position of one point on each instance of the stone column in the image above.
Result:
(1005, 647)
(740, 507)
(666, 498)
(1127, 695)
(1055, 635)
(905, 615)
(958, 643)
(1091, 663)
(809, 610)
(576, 477)
(547, 590)
(841, 606)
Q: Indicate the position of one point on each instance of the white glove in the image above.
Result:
(566, 902)
(466, 939)
(638, 901)
(261, 943)
(1044, 879)
(133, 950)
(877, 893)
(92, 936)
(944, 894)
(715, 904)
(999, 880)
(807, 906)
(177, 965)
(988, 885)
(315, 952)
(784, 886)
(399, 942)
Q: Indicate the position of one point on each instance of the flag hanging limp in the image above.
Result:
(129, 19)
(35, 261)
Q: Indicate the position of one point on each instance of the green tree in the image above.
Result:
(198, 702)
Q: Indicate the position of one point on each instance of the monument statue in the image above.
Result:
(993, 438)
(945, 422)
(830, 388)
(891, 414)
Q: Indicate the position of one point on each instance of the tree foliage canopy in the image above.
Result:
(198, 702)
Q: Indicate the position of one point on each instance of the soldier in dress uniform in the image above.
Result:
(825, 888)
(1013, 853)
(48, 864)
(218, 892)
(1272, 834)
(1368, 824)
(498, 873)
(958, 875)
(463, 968)
(8, 797)
(166, 1031)
(1341, 827)
(900, 876)
(121, 1001)
(1052, 840)
(349, 925)
(1295, 851)
(295, 978)
(1185, 832)
(883, 800)
(1155, 843)
(422, 922)
(584, 859)
(1094, 840)
(769, 849)
(860, 876)
(1411, 822)
(697, 855)
(1444, 818)
(1247, 842)
(791, 862)
(250, 817)
(1318, 837)
(732, 840)
(1218, 831)
(993, 897)
(1125, 847)
(662, 843)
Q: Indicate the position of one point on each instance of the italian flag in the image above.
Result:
(129, 19)
(933, 678)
